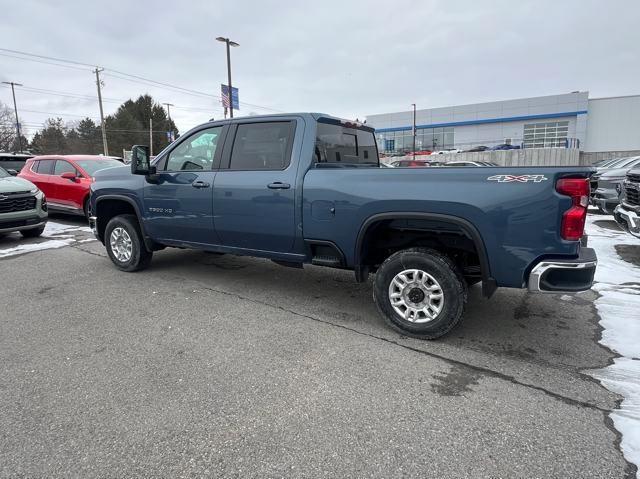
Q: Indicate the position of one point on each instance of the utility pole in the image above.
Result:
(229, 43)
(414, 129)
(150, 136)
(104, 131)
(170, 130)
(15, 108)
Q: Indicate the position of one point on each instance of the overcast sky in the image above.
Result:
(347, 58)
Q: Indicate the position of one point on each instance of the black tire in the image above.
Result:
(32, 233)
(443, 271)
(140, 256)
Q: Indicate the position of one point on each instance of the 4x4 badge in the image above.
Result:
(517, 178)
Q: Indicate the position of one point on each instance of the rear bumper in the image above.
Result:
(629, 220)
(564, 275)
(93, 224)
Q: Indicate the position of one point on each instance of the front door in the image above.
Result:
(254, 191)
(178, 202)
(68, 193)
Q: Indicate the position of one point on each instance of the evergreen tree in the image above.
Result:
(51, 139)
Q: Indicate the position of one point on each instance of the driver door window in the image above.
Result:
(196, 153)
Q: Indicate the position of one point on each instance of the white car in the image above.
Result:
(469, 163)
(447, 152)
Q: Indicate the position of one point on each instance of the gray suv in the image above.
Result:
(605, 183)
(627, 213)
(23, 206)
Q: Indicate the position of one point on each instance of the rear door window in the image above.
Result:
(45, 167)
(262, 146)
(338, 143)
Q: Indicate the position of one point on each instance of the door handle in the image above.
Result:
(200, 184)
(278, 185)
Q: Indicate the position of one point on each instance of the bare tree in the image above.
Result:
(7, 127)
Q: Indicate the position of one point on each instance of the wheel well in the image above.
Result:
(107, 209)
(384, 237)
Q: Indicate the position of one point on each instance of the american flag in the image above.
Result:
(226, 101)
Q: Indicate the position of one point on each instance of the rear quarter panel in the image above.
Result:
(519, 222)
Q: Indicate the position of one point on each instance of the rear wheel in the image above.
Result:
(32, 233)
(420, 292)
(125, 245)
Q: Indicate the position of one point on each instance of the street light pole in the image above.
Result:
(169, 105)
(229, 44)
(15, 108)
(414, 129)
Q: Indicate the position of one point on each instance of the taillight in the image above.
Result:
(573, 219)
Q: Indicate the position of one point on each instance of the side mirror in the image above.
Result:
(69, 175)
(140, 160)
(12, 172)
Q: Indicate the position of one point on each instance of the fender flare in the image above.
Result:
(148, 242)
(489, 284)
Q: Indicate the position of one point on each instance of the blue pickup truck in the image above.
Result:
(308, 188)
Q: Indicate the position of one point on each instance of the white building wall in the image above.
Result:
(493, 133)
(613, 124)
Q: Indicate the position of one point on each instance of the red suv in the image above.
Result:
(65, 180)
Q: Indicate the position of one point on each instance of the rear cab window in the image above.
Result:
(345, 144)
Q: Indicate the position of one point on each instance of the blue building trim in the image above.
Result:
(488, 120)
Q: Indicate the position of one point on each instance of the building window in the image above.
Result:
(434, 139)
(546, 135)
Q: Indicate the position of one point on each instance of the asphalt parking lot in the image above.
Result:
(237, 367)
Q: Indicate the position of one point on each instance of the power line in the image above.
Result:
(41, 61)
(137, 77)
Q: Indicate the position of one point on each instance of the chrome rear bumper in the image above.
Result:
(564, 276)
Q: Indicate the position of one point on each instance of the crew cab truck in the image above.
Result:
(308, 188)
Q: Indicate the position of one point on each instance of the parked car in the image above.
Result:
(271, 189)
(23, 207)
(447, 151)
(627, 213)
(477, 148)
(415, 163)
(604, 193)
(65, 180)
(470, 163)
(423, 152)
(505, 146)
(13, 161)
(604, 163)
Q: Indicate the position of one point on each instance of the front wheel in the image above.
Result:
(32, 233)
(125, 245)
(420, 292)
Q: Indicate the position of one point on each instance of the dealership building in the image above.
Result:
(607, 126)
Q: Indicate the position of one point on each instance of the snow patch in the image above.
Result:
(618, 283)
(55, 235)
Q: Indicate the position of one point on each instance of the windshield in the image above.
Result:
(627, 162)
(91, 166)
(3, 173)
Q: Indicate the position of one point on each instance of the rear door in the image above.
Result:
(179, 202)
(255, 189)
(42, 177)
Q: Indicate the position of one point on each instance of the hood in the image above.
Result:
(13, 184)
